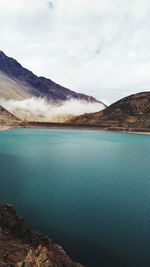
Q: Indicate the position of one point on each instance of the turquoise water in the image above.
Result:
(88, 190)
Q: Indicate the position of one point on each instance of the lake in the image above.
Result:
(88, 190)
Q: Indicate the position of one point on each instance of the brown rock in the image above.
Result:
(129, 113)
(22, 247)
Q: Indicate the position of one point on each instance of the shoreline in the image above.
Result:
(140, 133)
(4, 128)
(53, 125)
(103, 127)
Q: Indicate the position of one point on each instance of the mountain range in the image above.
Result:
(18, 83)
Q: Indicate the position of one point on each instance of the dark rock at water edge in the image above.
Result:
(22, 247)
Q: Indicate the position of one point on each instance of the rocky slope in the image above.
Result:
(22, 247)
(21, 92)
(17, 82)
(7, 118)
(130, 112)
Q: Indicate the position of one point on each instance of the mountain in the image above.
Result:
(7, 118)
(20, 246)
(16, 82)
(132, 111)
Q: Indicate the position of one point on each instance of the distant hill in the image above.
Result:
(7, 118)
(132, 111)
(16, 82)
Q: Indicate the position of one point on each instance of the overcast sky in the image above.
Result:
(98, 47)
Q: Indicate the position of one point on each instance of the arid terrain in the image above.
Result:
(129, 113)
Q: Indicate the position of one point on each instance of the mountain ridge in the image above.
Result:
(39, 86)
(131, 111)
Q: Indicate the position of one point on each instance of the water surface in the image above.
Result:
(88, 190)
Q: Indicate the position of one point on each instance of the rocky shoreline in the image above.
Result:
(52, 125)
(22, 247)
(55, 125)
(103, 127)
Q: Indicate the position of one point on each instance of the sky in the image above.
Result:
(97, 47)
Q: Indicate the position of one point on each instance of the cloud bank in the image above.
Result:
(41, 108)
(96, 47)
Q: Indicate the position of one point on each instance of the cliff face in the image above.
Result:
(131, 111)
(22, 247)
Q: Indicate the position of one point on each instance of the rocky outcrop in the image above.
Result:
(22, 247)
(130, 112)
(7, 118)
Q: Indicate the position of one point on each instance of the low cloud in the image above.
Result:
(40, 108)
